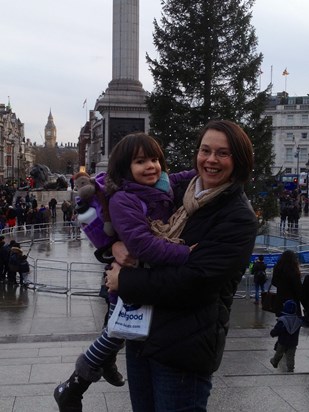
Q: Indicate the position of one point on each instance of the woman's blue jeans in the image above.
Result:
(257, 291)
(158, 388)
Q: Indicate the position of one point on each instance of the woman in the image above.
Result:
(171, 370)
(305, 299)
(287, 280)
(11, 217)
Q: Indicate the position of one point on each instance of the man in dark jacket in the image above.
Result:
(52, 206)
(259, 277)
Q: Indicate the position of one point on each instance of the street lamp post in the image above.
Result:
(307, 188)
(297, 166)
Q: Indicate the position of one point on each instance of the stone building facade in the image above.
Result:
(16, 154)
(290, 120)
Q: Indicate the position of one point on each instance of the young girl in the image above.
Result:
(140, 191)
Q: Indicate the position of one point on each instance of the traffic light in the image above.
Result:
(295, 180)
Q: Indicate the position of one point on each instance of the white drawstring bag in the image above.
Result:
(130, 321)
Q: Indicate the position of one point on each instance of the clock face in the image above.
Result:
(48, 133)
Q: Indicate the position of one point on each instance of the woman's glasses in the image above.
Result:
(220, 153)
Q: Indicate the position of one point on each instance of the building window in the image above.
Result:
(304, 135)
(290, 120)
(289, 136)
(303, 154)
(304, 119)
(289, 155)
(288, 170)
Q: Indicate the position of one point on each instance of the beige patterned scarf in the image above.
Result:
(173, 228)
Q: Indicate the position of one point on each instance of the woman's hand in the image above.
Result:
(111, 280)
(122, 255)
(193, 246)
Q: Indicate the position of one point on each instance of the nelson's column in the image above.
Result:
(123, 104)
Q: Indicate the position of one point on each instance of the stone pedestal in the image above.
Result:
(123, 104)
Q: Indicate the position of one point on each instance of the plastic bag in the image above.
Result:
(130, 321)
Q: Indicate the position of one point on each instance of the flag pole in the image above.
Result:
(85, 105)
(285, 74)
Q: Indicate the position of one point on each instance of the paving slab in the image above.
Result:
(42, 333)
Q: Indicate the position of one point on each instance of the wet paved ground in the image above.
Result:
(41, 334)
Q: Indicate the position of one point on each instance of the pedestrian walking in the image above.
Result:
(305, 299)
(287, 330)
(53, 207)
(11, 217)
(14, 262)
(259, 277)
(2, 259)
(287, 279)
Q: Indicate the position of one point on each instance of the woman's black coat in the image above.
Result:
(192, 302)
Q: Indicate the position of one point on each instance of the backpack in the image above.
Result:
(260, 277)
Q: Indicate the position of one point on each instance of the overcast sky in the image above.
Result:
(56, 53)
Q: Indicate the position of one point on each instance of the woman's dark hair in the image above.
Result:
(119, 164)
(239, 144)
(287, 264)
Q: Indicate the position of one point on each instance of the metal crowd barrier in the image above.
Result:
(51, 275)
(70, 278)
(54, 275)
(52, 232)
(84, 278)
(81, 285)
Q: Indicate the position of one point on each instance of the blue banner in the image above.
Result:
(272, 258)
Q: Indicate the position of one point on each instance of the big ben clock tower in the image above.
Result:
(50, 132)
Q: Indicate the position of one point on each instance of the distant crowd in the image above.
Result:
(290, 210)
(24, 213)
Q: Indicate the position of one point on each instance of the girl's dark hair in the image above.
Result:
(287, 264)
(119, 164)
(239, 144)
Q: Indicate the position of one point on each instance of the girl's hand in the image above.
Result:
(122, 255)
(111, 280)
